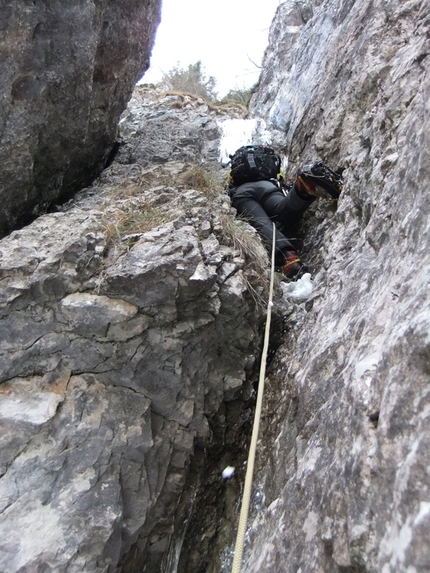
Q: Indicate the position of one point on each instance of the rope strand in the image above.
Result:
(244, 510)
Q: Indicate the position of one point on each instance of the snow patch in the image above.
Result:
(299, 290)
(228, 472)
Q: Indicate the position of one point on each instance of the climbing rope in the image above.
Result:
(244, 510)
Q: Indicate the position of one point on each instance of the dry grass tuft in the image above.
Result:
(202, 180)
(233, 108)
(249, 245)
(127, 189)
(129, 220)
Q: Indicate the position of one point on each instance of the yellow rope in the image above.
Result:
(244, 510)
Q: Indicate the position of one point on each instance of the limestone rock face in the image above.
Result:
(344, 455)
(158, 127)
(126, 323)
(129, 322)
(67, 71)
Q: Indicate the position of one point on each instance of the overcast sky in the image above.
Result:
(224, 34)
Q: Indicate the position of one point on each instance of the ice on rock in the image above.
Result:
(238, 132)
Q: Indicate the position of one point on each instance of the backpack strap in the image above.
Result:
(250, 158)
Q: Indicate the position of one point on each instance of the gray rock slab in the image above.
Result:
(109, 349)
(343, 468)
(68, 72)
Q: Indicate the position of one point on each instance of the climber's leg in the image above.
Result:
(262, 203)
(252, 210)
(288, 210)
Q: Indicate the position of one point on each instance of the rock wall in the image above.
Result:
(67, 72)
(159, 126)
(129, 322)
(345, 438)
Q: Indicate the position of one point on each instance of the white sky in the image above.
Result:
(223, 34)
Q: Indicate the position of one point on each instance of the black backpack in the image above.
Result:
(253, 163)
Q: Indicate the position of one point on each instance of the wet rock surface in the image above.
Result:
(66, 76)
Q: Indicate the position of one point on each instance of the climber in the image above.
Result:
(258, 193)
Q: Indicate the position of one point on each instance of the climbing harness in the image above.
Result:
(244, 510)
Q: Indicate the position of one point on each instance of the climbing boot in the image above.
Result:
(292, 265)
(318, 180)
